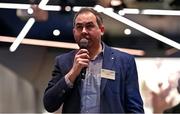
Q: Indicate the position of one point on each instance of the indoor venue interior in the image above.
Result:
(34, 32)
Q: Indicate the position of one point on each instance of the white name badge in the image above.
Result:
(108, 74)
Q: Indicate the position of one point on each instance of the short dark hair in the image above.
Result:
(98, 16)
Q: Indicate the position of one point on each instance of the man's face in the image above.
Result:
(87, 27)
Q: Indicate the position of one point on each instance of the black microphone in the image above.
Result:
(83, 45)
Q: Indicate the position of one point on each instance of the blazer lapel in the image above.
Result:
(108, 61)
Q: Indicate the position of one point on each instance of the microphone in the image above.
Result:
(83, 45)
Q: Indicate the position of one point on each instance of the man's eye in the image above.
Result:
(89, 26)
(79, 27)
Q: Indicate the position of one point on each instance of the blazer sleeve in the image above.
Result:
(56, 90)
(133, 100)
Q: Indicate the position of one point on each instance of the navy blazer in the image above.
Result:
(117, 96)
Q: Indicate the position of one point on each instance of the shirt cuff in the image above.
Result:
(68, 82)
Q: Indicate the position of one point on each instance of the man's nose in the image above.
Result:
(84, 30)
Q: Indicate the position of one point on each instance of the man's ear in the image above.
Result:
(102, 29)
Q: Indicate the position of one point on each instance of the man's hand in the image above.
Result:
(81, 61)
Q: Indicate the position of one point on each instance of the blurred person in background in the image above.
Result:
(176, 108)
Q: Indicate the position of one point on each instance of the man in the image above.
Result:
(111, 82)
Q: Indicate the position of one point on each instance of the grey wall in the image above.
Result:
(23, 77)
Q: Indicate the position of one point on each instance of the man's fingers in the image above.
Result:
(82, 51)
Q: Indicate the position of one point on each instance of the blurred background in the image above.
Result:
(150, 32)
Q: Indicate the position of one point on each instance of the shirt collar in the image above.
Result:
(101, 53)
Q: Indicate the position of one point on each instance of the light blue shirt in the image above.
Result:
(90, 95)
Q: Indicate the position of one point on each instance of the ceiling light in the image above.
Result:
(160, 12)
(141, 28)
(22, 34)
(127, 31)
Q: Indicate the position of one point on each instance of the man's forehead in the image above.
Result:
(86, 17)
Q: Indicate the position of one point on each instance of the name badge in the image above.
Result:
(108, 74)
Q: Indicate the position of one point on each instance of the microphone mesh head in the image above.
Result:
(83, 43)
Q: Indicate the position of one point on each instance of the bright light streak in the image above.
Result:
(14, 6)
(161, 12)
(149, 12)
(43, 3)
(22, 34)
(43, 6)
(26, 28)
(141, 28)
(128, 11)
(51, 8)
(27, 6)
(77, 8)
(99, 8)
